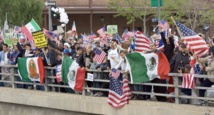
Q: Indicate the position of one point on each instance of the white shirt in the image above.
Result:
(113, 54)
(121, 64)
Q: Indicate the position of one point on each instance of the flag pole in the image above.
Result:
(179, 32)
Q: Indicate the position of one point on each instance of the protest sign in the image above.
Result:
(8, 39)
(111, 29)
(90, 77)
(39, 39)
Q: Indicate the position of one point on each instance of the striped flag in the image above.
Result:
(119, 93)
(164, 24)
(193, 41)
(99, 56)
(58, 73)
(30, 27)
(141, 42)
(188, 81)
(102, 32)
(49, 34)
(124, 35)
(85, 38)
(115, 73)
(92, 35)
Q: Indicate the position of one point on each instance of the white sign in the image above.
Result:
(90, 77)
(50, 3)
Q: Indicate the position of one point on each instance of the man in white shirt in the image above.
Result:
(113, 55)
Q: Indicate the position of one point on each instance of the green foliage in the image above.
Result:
(20, 12)
(192, 13)
(131, 9)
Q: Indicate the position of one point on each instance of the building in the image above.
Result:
(90, 15)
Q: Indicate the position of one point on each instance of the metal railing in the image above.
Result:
(49, 86)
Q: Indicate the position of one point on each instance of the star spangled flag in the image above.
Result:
(118, 38)
(58, 73)
(193, 41)
(85, 38)
(141, 42)
(124, 35)
(119, 93)
(99, 56)
(16, 30)
(164, 24)
(92, 35)
(102, 32)
(188, 81)
(115, 73)
(49, 34)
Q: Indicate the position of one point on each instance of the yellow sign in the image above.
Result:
(39, 39)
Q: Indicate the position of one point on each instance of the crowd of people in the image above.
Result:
(177, 55)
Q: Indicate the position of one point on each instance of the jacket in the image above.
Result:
(210, 66)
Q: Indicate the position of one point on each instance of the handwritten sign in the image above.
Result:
(111, 29)
(8, 39)
(90, 77)
(39, 39)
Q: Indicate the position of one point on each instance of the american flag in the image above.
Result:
(102, 32)
(193, 41)
(124, 35)
(58, 73)
(188, 81)
(16, 30)
(141, 42)
(119, 93)
(99, 56)
(49, 34)
(85, 38)
(92, 35)
(115, 73)
(164, 24)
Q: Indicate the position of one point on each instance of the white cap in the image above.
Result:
(66, 44)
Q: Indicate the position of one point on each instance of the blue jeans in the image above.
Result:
(39, 87)
(1, 83)
(19, 85)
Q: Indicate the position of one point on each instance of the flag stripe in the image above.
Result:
(35, 25)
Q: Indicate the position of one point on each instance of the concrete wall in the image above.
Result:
(28, 102)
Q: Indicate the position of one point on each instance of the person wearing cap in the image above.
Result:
(77, 56)
(180, 59)
(74, 48)
(66, 52)
(209, 69)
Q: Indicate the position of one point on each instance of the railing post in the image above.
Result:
(176, 85)
(13, 78)
(46, 81)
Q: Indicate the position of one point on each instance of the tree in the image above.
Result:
(193, 13)
(132, 10)
(20, 12)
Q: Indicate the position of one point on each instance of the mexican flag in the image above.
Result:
(146, 67)
(30, 27)
(31, 69)
(73, 74)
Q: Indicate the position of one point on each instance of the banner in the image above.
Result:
(112, 29)
(8, 39)
(39, 39)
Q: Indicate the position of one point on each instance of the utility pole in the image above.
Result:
(159, 14)
(49, 16)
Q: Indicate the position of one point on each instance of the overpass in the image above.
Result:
(17, 101)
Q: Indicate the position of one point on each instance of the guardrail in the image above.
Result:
(49, 86)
